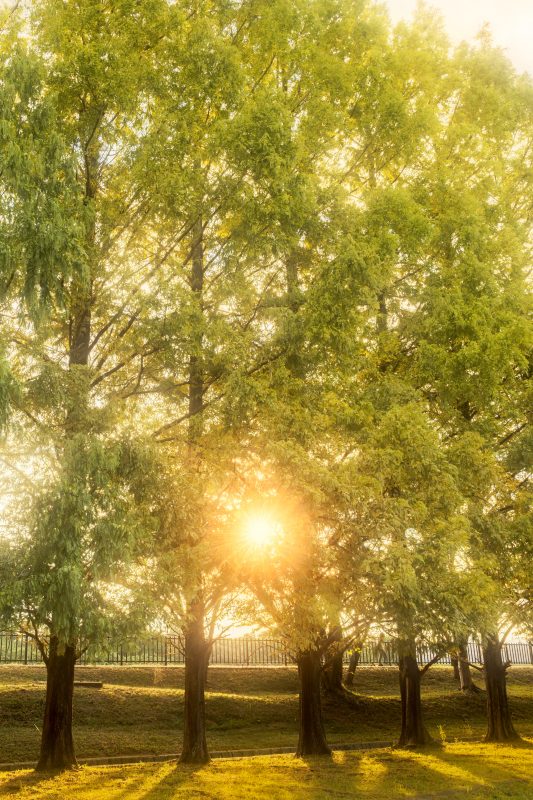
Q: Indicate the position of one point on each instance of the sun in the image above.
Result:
(259, 530)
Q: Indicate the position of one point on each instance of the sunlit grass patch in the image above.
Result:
(479, 772)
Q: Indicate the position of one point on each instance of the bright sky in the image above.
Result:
(511, 23)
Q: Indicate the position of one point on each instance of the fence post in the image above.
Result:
(166, 651)
(26, 648)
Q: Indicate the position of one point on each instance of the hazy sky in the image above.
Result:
(511, 22)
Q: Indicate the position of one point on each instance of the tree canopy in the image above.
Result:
(261, 259)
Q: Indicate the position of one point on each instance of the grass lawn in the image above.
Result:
(139, 710)
(475, 771)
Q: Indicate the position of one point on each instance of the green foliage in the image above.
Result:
(85, 534)
(288, 246)
(40, 234)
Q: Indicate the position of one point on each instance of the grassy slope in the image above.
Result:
(481, 772)
(140, 709)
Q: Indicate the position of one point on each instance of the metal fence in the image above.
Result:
(16, 648)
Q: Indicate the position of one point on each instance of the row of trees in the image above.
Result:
(262, 259)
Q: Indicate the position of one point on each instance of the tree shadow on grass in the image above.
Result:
(165, 788)
(26, 779)
(21, 780)
(314, 763)
(363, 774)
(161, 781)
(456, 767)
(523, 744)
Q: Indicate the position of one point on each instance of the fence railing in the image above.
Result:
(16, 648)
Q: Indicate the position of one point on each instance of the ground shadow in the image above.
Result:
(25, 779)
(361, 774)
(179, 777)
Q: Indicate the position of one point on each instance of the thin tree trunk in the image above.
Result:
(466, 681)
(332, 671)
(57, 744)
(352, 666)
(500, 725)
(455, 667)
(332, 675)
(194, 750)
(312, 738)
(196, 377)
(414, 732)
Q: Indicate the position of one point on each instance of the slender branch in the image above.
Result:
(433, 661)
(513, 433)
(188, 414)
(38, 641)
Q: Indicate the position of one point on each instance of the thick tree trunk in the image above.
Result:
(413, 733)
(312, 738)
(194, 750)
(57, 744)
(500, 725)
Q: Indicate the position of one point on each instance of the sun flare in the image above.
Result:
(259, 530)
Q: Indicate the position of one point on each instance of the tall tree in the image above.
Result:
(471, 339)
(247, 112)
(72, 396)
(449, 248)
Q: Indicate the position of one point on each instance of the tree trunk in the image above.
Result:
(57, 744)
(332, 675)
(352, 666)
(500, 725)
(312, 738)
(194, 750)
(455, 667)
(466, 682)
(413, 733)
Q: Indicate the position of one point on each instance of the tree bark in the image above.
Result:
(57, 744)
(500, 725)
(332, 670)
(414, 732)
(196, 377)
(352, 666)
(194, 750)
(312, 738)
(332, 675)
(466, 682)
(455, 667)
